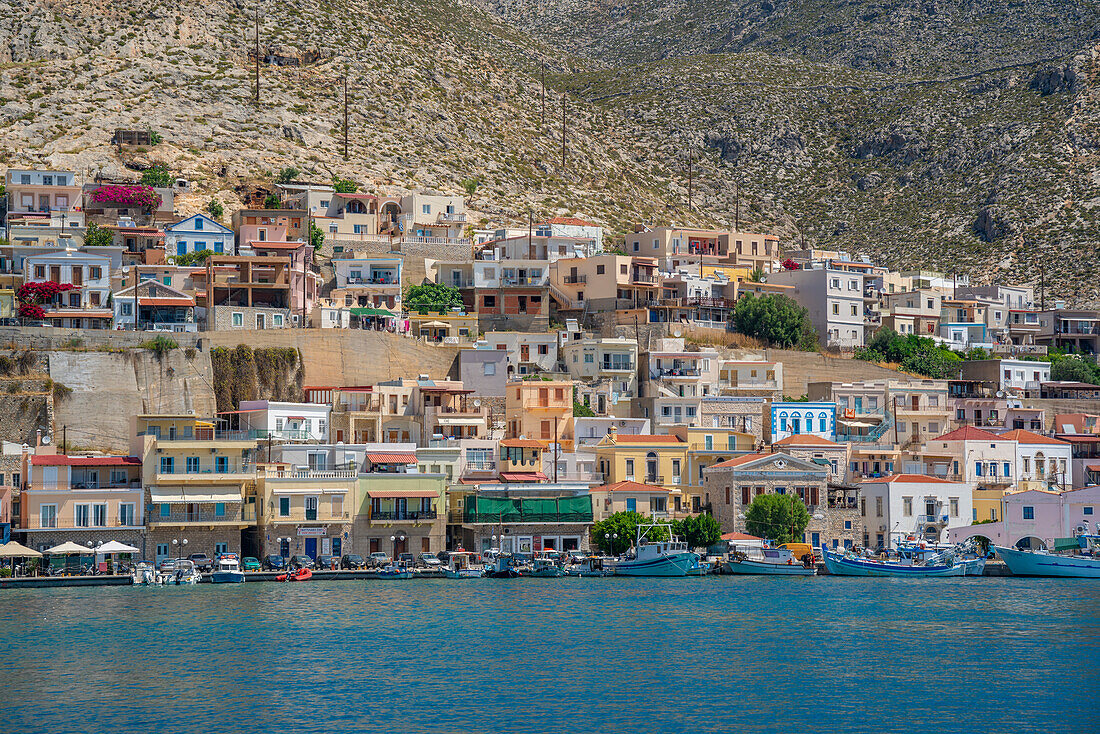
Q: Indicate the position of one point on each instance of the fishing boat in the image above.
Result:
(920, 554)
(229, 570)
(460, 566)
(1084, 565)
(302, 574)
(143, 574)
(394, 572)
(849, 564)
(766, 562)
(591, 566)
(501, 568)
(657, 558)
(544, 568)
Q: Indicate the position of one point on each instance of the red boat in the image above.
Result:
(302, 574)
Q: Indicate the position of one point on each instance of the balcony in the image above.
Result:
(644, 279)
(706, 302)
(206, 472)
(392, 282)
(403, 516)
(233, 515)
(481, 466)
(575, 279)
(932, 519)
(617, 367)
(523, 280)
(78, 483)
(451, 218)
(1078, 330)
(313, 474)
(665, 373)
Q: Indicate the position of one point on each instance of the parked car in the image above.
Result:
(202, 562)
(168, 565)
(329, 563)
(427, 560)
(406, 559)
(9, 321)
(353, 561)
(273, 562)
(301, 562)
(248, 563)
(378, 559)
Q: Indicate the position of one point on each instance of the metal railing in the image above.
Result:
(206, 469)
(409, 515)
(313, 474)
(573, 279)
(176, 517)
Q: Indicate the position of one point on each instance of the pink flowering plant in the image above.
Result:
(136, 195)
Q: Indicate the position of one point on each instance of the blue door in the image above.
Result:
(815, 540)
(311, 547)
(337, 546)
(181, 248)
(631, 504)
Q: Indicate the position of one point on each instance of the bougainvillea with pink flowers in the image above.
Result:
(136, 195)
(790, 264)
(31, 296)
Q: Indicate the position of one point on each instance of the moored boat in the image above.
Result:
(544, 568)
(766, 562)
(657, 558)
(460, 566)
(590, 566)
(849, 564)
(229, 570)
(302, 574)
(1045, 563)
(501, 568)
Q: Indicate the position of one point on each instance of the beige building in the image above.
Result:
(750, 377)
(608, 367)
(305, 511)
(605, 282)
(540, 409)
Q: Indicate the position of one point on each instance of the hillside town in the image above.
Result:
(595, 375)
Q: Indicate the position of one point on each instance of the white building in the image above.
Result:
(834, 299)
(971, 455)
(197, 233)
(85, 304)
(1041, 461)
(916, 506)
(528, 352)
(294, 422)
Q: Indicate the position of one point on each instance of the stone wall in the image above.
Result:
(200, 539)
(221, 318)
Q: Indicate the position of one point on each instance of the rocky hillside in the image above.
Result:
(943, 133)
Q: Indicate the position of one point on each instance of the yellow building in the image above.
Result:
(650, 500)
(706, 447)
(306, 511)
(541, 410)
(200, 485)
(989, 504)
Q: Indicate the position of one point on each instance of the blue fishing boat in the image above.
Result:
(657, 558)
(1084, 564)
(849, 564)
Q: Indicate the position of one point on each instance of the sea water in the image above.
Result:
(713, 654)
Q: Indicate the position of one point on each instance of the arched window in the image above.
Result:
(823, 422)
(651, 467)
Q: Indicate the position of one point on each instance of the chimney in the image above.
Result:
(611, 431)
(38, 438)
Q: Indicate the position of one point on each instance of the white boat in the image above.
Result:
(591, 566)
(849, 564)
(460, 566)
(1045, 563)
(766, 562)
(229, 570)
(185, 574)
(657, 558)
(143, 574)
(922, 554)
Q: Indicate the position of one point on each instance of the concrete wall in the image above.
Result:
(222, 318)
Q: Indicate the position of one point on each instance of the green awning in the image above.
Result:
(371, 312)
(1066, 543)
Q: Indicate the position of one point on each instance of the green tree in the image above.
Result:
(774, 516)
(700, 531)
(757, 275)
(344, 185)
(1072, 368)
(470, 185)
(625, 525)
(199, 257)
(287, 175)
(316, 237)
(96, 236)
(437, 297)
(157, 176)
(913, 353)
(778, 320)
(272, 201)
(154, 137)
(580, 410)
(215, 209)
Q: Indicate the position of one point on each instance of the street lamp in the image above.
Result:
(180, 543)
(395, 539)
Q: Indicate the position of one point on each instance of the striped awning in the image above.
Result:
(392, 458)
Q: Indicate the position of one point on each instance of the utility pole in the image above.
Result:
(345, 116)
(895, 401)
(737, 203)
(542, 115)
(257, 54)
(530, 231)
(564, 101)
(557, 444)
(1042, 287)
(689, 179)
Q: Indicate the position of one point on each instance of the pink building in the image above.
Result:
(1036, 517)
(269, 225)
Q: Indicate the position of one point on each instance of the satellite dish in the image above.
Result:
(47, 438)
(1000, 393)
(477, 403)
(677, 333)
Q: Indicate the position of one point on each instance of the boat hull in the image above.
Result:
(756, 568)
(676, 564)
(1033, 563)
(227, 577)
(464, 573)
(840, 566)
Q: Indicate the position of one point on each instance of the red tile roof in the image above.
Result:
(63, 460)
(805, 439)
(1021, 436)
(166, 301)
(646, 438)
(739, 460)
(740, 536)
(969, 433)
(629, 486)
(908, 479)
(523, 476)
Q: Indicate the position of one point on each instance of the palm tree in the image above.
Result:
(757, 275)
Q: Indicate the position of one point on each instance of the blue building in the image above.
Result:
(794, 419)
(196, 233)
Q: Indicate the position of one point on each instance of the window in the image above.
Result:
(425, 208)
(954, 504)
(878, 506)
(1029, 512)
(708, 442)
(1087, 510)
(192, 465)
(167, 465)
(745, 499)
(630, 469)
(198, 223)
(277, 319)
(489, 301)
(854, 311)
(489, 369)
(83, 516)
(48, 516)
(907, 506)
(238, 318)
(221, 464)
(836, 309)
(126, 513)
(126, 309)
(219, 509)
(165, 509)
(599, 269)
(544, 349)
(1007, 469)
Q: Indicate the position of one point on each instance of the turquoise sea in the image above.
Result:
(716, 654)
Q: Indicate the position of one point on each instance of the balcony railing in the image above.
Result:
(206, 470)
(677, 372)
(617, 367)
(543, 517)
(179, 517)
(481, 465)
(640, 278)
(409, 515)
(933, 519)
(285, 434)
(313, 474)
(523, 280)
(451, 217)
(573, 279)
(1078, 330)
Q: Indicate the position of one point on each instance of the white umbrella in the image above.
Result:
(115, 547)
(67, 548)
(17, 550)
